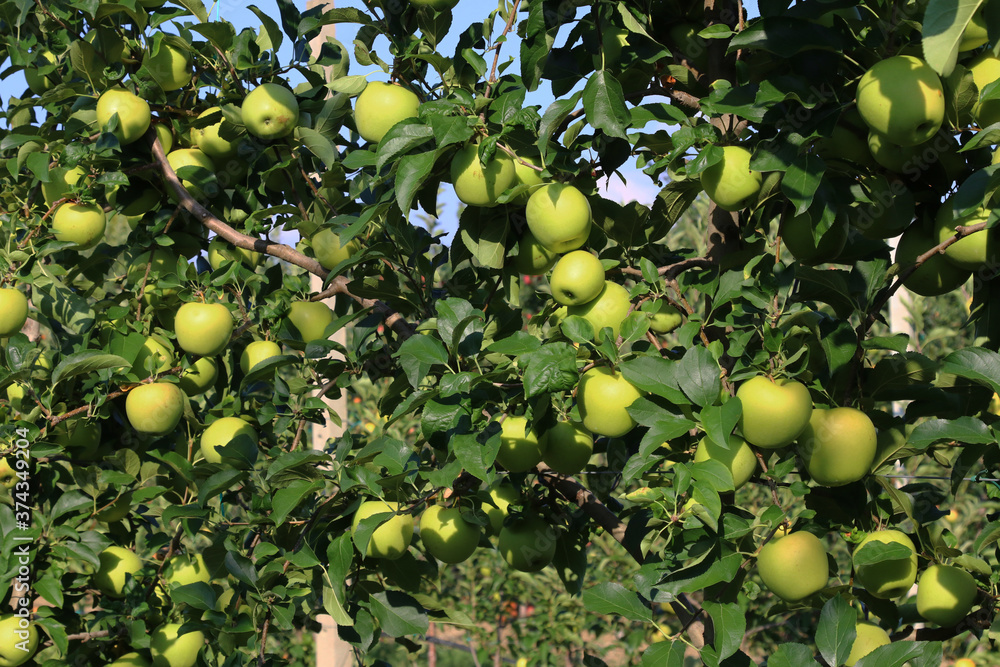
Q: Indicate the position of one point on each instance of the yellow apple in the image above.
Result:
(380, 106)
(18, 640)
(501, 495)
(838, 446)
(527, 543)
(155, 356)
(13, 311)
(169, 66)
(117, 564)
(172, 649)
(730, 182)
(208, 140)
(330, 251)
(793, 567)
(608, 309)
(869, 637)
(985, 70)
(901, 97)
(221, 253)
(935, 276)
(203, 328)
(568, 447)
(533, 259)
(225, 431)
(270, 111)
(520, 449)
(311, 318)
(258, 352)
(187, 569)
(739, 458)
(82, 224)
(392, 538)
(477, 185)
(945, 594)
(446, 535)
(774, 413)
(603, 396)
(970, 252)
(578, 278)
(61, 182)
(155, 408)
(559, 217)
(133, 114)
(889, 578)
(199, 377)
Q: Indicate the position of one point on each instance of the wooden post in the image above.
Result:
(331, 650)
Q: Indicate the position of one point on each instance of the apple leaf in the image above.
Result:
(320, 145)
(288, 498)
(967, 430)
(398, 614)
(604, 104)
(975, 363)
(411, 173)
(521, 342)
(836, 632)
(242, 568)
(720, 420)
(613, 598)
(551, 368)
(218, 483)
(877, 552)
(785, 36)
(943, 25)
(477, 451)
(897, 654)
(85, 362)
(730, 624)
(792, 655)
(418, 354)
(552, 119)
(702, 382)
(664, 654)
(198, 595)
(484, 235)
(655, 375)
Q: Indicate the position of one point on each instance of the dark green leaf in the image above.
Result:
(836, 631)
(398, 614)
(551, 368)
(730, 624)
(85, 362)
(604, 104)
(614, 599)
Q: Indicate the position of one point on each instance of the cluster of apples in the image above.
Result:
(168, 646)
(945, 595)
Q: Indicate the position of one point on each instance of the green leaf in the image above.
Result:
(801, 180)
(552, 119)
(349, 85)
(975, 363)
(402, 138)
(477, 451)
(730, 624)
(242, 568)
(286, 499)
(196, 7)
(85, 362)
(664, 654)
(320, 145)
(654, 375)
(550, 369)
(877, 552)
(785, 36)
(271, 28)
(968, 430)
(792, 655)
(604, 104)
(614, 599)
(417, 354)
(943, 25)
(198, 595)
(217, 483)
(720, 420)
(484, 235)
(701, 376)
(411, 173)
(517, 344)
(836, 631)
(898, 654)
(398, 614)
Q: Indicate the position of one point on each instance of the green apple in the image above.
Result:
(170, 67)
(527, 543)
(392, 538)
(16, 392)
(845, 144)
(971, 252)
(739, 458)
(199, 377)
(117, 510)
(329, 251)
(13, 311)
(78, 436)
(559, 217)
(40, 84)
(663, 317)
(502, 495)
(162, 264)
(311, 318)
(132, 659)
(985, 70)
(8, 476)
(225, 431)
(945, 594)
(172, 649)
(18, 640)
(797, 233)
(935, 276)
(446, 535)
(902, 98)
(61, 182)
(116, 565)
(258, 352)
(568, 447)
(520, 449)
(477, 185)
(526, 175)
(270, 111)
(793, 567)
(603, 396)
(774, 413)
(190, 157)
(165, 136)
(893, 156)
(133, 114)
(868, 638)
(221, 253)
(533, 259)
(838, 446)
(889, 578)
(577, 278)
(203, 328)
(82, 224)
(207, 138)
(975, 33)
(155, 356)
(155, 408)
(730, 182)
(187, 569)
(609, 309)
(380, 106)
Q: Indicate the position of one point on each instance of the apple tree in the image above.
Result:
(713, 382)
